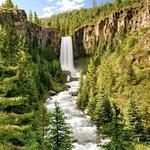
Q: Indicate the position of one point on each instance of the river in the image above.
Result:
(85, 134)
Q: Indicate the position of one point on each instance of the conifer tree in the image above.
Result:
(30, 16)
(92, 86)
(18, 95)
(36, 19)
(120, 138)
(79, 99)
(103, 112)
(117, 3)
(134, 119)
(59, 135)
(84, 95)
(8, 4)
(131, 76)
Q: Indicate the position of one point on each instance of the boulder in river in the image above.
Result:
(74, 93)
(52, 93)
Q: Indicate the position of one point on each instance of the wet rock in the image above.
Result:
(86, 111)
(52, 93)
(73, 79)
(67, 87)
(74, 93)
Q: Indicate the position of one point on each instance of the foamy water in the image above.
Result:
(85, 134)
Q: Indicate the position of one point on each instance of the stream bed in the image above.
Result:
(85, 134)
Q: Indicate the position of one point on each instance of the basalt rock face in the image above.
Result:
(128, 19)
(78, 43)
(32, 32)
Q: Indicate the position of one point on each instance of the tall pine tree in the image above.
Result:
(103, 112)
(30, 16)
(134, 120)
(8, 4)
(92, 85)
(59, 135)
(120, 138)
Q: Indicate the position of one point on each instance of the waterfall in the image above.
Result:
(66, 54)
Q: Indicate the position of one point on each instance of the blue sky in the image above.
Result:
(45, 8)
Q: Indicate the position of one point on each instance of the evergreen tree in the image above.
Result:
(131, 76)
(120, 138)
(84, 95)
(30, 16)
(134, 119)
(8, 4)
(92, 86)
(59, 135)
(103, 112)
(79, 99)
(118, 3)
(36, 19)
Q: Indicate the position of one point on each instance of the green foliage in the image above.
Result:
(59, 134)
(123, 71)
(25, 78)
(120, 138)
(69, 21)
(82, 99)
(103, 111)
(134, 119)
(36, 19)
(30, 16)
(117, 3)
(8, 4)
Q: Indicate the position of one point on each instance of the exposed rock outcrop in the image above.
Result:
(31, 31)
(125, 19)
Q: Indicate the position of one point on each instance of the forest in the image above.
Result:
(113, 90)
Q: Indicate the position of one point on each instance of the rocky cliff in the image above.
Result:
(43, 36)
(86, 37)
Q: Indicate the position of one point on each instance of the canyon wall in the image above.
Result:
(86, 37)
(43, 36)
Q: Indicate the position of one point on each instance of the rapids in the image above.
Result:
(85, 135)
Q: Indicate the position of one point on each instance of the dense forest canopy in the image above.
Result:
(114, 90)
(69, 21)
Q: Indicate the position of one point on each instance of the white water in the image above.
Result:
(84, 132)
(66, 54)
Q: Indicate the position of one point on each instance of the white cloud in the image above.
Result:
(50, 1)
(48, 11)
(62, 6)
(65, 5)
(79, 1)
(1, 2)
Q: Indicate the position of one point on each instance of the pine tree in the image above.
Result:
(84, 95)
(59, 135)
(118, 3)
(134, 119)
(8, 4)
(120, 138)
(131, 76)
(92, 86)
(103, 111)
(18, 95)
(30, 16)
(79, 99)
(36, 19)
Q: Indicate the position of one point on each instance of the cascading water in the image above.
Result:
(85, 135)
(66, 54)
